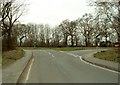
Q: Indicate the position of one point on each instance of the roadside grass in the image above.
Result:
(58, 48)
(9, 57)
(110, 55)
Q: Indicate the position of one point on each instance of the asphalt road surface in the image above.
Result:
(49, 66)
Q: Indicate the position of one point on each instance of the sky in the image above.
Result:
(53, 12)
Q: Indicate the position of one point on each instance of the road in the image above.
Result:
(49, 66)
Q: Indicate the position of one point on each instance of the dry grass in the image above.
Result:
(61, 49)
(9, 57)
(110, 55)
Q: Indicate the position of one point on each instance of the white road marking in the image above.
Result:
(28, 74)
(70, 54)
(51, 54)
(97, 65)
(91, 64)
(61, 51)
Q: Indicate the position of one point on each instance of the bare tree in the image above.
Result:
(69, 29)
(22, 31)
(110, 12)
(65, 29)
(47, 34)
(12, 10)
(85, 25)
(42, 35)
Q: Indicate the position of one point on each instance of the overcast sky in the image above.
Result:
(54, 12)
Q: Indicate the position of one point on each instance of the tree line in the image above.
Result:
(98, 29)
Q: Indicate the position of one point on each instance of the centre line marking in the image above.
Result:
(51, 54)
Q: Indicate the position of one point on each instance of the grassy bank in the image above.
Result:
(9, 57)
(58, 48)
(110, 55)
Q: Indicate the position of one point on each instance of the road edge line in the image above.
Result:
(28, 74)
(27, 63)
(96, 65)
(92, 64)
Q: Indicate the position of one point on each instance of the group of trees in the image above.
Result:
(89, 30)
(108, 15)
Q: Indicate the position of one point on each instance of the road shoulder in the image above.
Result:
(102, 63)
(11, 73)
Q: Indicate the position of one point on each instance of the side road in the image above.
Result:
(103, 63)
(11, 73)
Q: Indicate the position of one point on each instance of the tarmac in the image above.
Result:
(12, 73)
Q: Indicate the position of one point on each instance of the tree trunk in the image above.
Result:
(106, 40)
(76, 39)
(72, 40)
(20, 43)
(9, 40)
(96, 42)
(65, 40)
(86, 42)
(48, 43)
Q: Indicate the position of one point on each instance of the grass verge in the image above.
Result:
(110, 55)
(58, 48)
(9, 57)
